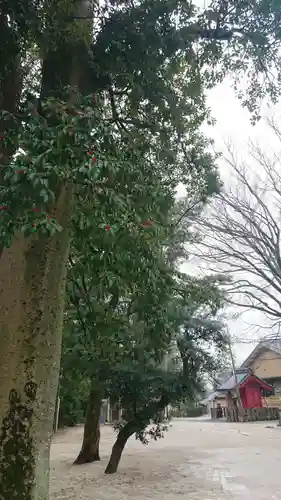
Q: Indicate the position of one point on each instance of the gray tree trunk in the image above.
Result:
(32, 289)
(32, 286)
(91, 438)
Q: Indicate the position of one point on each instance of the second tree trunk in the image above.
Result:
(91, 439)
(123, 435)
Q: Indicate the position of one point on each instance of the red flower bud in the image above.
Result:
(20, 171)
(49, 217)
(4, 207)
(107, 228)
(94, 159)
(147, 223)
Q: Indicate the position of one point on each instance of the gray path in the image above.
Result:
(197, 460)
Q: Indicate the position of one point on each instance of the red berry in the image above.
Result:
(107, 228)
(49, 216)
(94, 159)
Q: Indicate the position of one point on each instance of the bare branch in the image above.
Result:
(241, 230)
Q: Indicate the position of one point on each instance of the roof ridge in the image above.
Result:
(273, 344)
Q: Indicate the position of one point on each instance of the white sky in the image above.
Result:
(233, 123)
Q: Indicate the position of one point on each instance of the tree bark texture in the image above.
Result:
(123, 435)
(91, 439)
(32, 289)
(139, 423)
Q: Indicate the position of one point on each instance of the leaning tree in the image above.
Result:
(145, 384)
(108, 270)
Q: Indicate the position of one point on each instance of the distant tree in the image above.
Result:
(74, 389)
(242, 229)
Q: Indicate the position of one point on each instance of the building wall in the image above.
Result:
(214, 403)
(267, 365)
(277, 385)
(222, 402)
(272, 401)
(210, 405)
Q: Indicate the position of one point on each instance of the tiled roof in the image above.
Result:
(231, 382)
(208, 399)
(222, 377)
(211, 397)
(273, 344)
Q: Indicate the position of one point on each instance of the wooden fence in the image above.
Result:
(247, 414)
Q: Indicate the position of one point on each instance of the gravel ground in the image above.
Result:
(197, 460)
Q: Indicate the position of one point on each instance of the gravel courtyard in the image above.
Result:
(197, 460)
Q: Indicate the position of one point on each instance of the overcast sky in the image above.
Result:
(233, 123)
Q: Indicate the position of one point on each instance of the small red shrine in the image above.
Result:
(252, 390)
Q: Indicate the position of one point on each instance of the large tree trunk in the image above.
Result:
(123, 435)
(32, 288)
(91, 439)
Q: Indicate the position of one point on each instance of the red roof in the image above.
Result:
(253, 379)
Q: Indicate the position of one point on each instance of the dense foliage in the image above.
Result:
(128, 306)
(142, 61)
